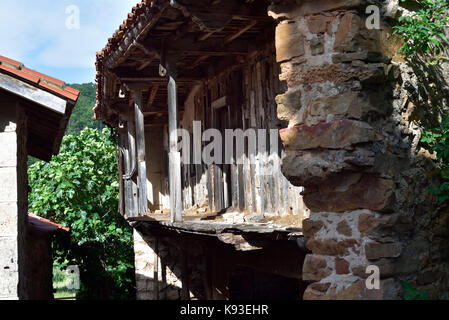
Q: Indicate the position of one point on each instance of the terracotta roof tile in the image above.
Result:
(61, 92)
(51, 84)
(43, 224)
(113, 42)
(10, 61)
(45, 77)
(72, 91)
(20, 73)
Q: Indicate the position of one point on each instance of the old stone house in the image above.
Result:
(346, 188)
(34, 112)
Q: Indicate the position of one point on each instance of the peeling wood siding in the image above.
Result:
(256, 188)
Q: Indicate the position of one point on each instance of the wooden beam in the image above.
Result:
(131, 99)
(145, 64)
(240, 32)
(157, 79)
(130, 164)
(209, 34)
(211, 16)
(206, 55)
(189, 45)
(141, 159)
(174, 155)
(121, 163)
(198, 61)
(152, 113)
(33, 94)
(153, 93)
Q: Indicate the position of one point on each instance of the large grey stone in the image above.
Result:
(306, 168)
(8, 219)
(8, 184)
(8, 143)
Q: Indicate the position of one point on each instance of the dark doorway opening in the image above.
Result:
(249, 284)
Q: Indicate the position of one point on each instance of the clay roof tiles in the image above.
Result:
(55, 86)
(113, 43)
(44, 225)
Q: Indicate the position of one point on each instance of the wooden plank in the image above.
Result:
(152, 96)
(156, 267)
(33, 94)
(240, 32)
(174, 155)
(262, 141)
(274, 142)
(133, 206)
(141, 153)
(121, 168)
(219, 103)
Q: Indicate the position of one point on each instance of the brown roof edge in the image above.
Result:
(37, 79)
(114, 42)
(44, 225)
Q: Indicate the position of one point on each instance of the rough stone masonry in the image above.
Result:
(355, 111)
(13, 200)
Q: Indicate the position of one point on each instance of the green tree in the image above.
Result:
(78, 188)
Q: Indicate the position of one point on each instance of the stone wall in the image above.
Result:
(355, 111)
(176, 263)
(13, 200)
(200, 267)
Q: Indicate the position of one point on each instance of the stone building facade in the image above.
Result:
(352, 111)
(356, 110)
(13, 205)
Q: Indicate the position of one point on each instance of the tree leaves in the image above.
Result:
(423, 32)
(437, 140)
(411, 293)
(78, 188)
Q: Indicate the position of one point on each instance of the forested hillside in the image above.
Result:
(82, 114)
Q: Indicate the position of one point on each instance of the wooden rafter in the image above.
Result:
(153, 93)
(227, 41)
(240, 32)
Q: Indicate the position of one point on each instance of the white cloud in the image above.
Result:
(36, 30)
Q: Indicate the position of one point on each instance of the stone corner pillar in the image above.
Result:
(13, 201)
(345, 146)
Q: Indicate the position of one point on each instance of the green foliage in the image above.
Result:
(437, 140)
(82, 113)
(79, 189)
(423, 31)
(411, 293)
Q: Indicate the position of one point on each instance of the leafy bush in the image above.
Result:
(78, 188)
(413, 294)
(437, 140)
(423, 31)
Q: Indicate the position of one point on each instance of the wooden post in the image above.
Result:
(142, 167)
(174, 155)
(156, 268)
(121, 167)
(130, 185)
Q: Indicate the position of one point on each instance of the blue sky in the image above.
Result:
(35, 33)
